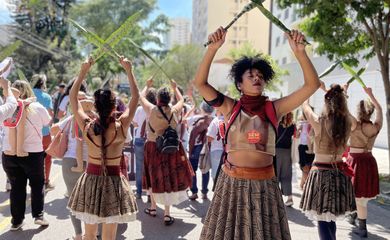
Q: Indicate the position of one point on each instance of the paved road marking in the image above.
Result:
(7, 221)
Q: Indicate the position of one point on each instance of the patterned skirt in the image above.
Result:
(168, 175)
(246, 209)
(366, 179)
(327, 195)
(102, 199)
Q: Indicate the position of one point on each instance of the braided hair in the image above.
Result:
(104, 104)
(337, 114)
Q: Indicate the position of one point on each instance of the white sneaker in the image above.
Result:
(41, 221)
(15, 227)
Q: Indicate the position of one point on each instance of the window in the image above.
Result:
(286, 13)
(284, 60)
(294, 15)
(277, 41)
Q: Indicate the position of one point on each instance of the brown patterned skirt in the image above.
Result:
(102, 199)
(366, 179)
(168, 175)
(327, 195)
(246, 209)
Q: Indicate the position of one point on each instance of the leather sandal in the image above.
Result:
(170, 221)
(150, 212)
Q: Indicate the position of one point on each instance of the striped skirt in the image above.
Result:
(102, 199)
(327, 195)
(246, 209)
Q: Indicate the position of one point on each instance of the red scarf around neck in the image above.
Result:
(254, 105)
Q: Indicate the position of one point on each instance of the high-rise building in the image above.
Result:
(179, 34)
(252, 27)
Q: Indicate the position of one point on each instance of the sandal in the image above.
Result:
(170, 221)
(151, 212)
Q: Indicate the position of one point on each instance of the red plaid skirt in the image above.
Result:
(166, 173)
(366, 179)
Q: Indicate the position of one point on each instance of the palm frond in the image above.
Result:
(8, 50)
(353, 73)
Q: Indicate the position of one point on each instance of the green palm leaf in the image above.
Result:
(8, 50)
(361, 70)
(329, 69)
(123, 30)
(272, 18)
(95, 40)
(148, 56)
(354, 74)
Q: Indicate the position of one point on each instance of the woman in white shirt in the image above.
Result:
(21, 169)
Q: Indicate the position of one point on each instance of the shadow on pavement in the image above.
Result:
(198, 209)
(370, 236)
(154, 228)
(56, 208)
(296, 216)
(22, 234)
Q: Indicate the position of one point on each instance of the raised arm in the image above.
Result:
(311, 80)
(146, 105)
(128, 115)
(75, 104)
(180, 100)
(379, 113)
(204, 88)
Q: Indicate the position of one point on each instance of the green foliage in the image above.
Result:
(339, 26)
(104, 17)
(180, 64)
(247, 50)
(9, 50)
(353, 73)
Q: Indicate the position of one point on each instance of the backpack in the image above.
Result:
(168, 142)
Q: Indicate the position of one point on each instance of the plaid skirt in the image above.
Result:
(366, 179)
(327, 195)
(102, 199)
(167, 175)
(246, 209)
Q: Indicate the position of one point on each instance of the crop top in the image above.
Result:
(251, 133)
(360, 140)
(323, 142)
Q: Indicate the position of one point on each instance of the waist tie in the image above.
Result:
(96, 169)
(249, 173)
(342, 166)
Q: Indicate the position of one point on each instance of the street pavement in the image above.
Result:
(189, 216)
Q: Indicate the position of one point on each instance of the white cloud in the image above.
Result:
(3, 5)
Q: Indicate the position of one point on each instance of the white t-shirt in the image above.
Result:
(7, 108)
(72, 142)
(37, 117)
(212, 131)
(139, 118)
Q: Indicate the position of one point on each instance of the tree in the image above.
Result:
(104, 17)
(47, 46)
(346, 29)
(248, 50)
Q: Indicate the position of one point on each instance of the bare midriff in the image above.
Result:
(111, 162)
(249, 159)
(327, 158)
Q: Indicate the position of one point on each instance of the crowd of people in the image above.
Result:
(246, 145)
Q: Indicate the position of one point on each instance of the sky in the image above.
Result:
(175, 8)
(171, 8)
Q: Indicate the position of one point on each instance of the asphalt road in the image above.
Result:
(189, 216)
